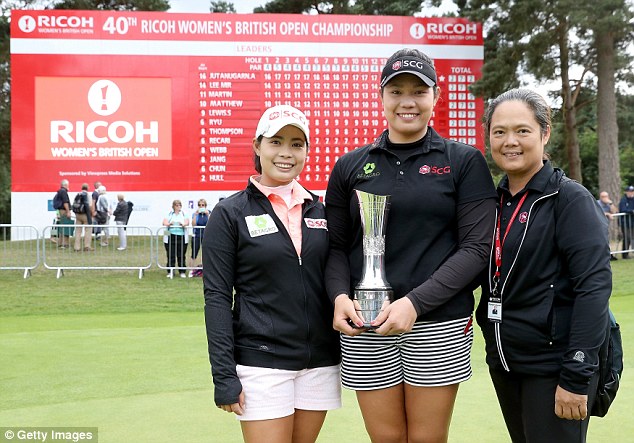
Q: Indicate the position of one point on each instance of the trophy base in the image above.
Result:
(371, 303)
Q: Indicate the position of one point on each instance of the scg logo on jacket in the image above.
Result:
(436, 170)
(316, 223)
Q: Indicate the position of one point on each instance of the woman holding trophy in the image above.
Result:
(273, 353)
(429, 240)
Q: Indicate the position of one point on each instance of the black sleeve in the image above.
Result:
(337, 272)
(582, 239)
(475, 234)
(219, 255)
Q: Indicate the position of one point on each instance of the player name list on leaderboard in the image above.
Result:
(338, 94)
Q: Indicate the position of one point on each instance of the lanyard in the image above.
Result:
(500, 243)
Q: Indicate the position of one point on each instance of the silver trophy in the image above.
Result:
(373, 292)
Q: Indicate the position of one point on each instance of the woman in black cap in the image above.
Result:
(407, 369)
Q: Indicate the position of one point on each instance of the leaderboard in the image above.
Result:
(159, 101)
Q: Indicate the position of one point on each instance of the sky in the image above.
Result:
(202, 6)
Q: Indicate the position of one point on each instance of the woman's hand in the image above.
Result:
(569, 405)
(396, 318)
(346, 313)
(236, 408)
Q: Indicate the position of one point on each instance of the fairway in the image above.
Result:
(129, 356)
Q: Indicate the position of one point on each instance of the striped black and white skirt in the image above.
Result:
(432, 354)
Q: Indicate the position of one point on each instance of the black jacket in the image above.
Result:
(279, 316)
(555, 285)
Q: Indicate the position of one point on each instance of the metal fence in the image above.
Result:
(19, 248)
(66, 247)
(178, 251)
(621, 228)
(127, 247)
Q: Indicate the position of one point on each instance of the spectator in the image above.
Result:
(626, 206)
(121, 219)
(175, 240)
(62, 203)
(199, 221)
(608, 208)
(83, 216)
(103, 214)
(95, 196)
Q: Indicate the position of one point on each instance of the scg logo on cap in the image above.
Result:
(287, 113)
(413, 64)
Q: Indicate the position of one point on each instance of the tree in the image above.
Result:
(610, 29)
(366, 7)
(114, 5)
(548, 40)
(625, 116)
(534, 37)
(222, 6)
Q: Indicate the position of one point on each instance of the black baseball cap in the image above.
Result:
(409, 65)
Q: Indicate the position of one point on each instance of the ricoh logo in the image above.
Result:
(104, 98)
(445, 30)
(452, 28)
(55, 23)
(97, 118)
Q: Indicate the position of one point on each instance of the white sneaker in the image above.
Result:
(183, 275)
(120, 249)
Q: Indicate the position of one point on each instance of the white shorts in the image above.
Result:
(275, 393)
(432, 354)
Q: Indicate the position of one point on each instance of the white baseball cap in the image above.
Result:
(277, 117)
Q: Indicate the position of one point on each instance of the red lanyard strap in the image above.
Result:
(499, 244)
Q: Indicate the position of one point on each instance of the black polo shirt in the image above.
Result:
(440, 221)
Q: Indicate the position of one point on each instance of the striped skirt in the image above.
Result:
(432, 354)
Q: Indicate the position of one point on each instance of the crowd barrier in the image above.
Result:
(93, 247)
(20, 248)
(66, 247)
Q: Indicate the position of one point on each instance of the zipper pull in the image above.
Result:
(300, 260)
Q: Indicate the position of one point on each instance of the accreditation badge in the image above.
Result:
(494, 310)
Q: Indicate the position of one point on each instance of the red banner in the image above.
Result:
(160, 101)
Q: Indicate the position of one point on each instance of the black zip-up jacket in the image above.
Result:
(555, 284)
(279, 316)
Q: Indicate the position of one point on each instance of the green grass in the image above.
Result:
(129, 356)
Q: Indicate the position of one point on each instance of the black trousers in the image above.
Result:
(626, 230)
(176, 250)
(528, 407)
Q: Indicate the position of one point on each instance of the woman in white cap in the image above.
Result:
(406, 369)
(273, 352)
